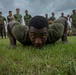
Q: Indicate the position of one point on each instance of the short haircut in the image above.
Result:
(38, 22)
(10, 11)
(17, 9)
(26, 10)
(73, 10)
(46, 14)
(0, 12)
(52, 12)
(62, 13)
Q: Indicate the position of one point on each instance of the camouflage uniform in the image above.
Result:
(10, 19)
(20, 33)
(2, 28)
(27, 19)
(64, 17)
(63, 21)
(73, 16)
(18, 17)
(52, 18)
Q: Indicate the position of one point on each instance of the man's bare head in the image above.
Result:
(38, 31)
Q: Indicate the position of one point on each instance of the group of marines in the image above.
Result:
(38, 30)
(71, 20)
(11, 17)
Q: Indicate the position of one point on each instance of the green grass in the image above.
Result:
(54, 59)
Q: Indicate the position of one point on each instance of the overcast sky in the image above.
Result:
(38, 7)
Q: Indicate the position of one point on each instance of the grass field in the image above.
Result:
(56, 59)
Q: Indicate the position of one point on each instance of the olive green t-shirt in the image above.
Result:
(18, 17)
(52, 18)
(64, 17)
(27, 19)
(2, 19)
(73, 16)
(10, 19)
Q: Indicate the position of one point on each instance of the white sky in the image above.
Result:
(38, 7)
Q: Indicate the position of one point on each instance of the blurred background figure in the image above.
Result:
(68, 26)
(18, 16)
(10, 17)
(46, 16)
(69, 23)
(2, 25)
(53, 16)
(49, 21)
(62, 15)
(72, 19)
(27, 17)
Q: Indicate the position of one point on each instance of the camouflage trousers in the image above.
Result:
(72, 32)
(2, 30)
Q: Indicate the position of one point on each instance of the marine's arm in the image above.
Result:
(10, 35)
(18, 32)
(55, 32)
(64, 36)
